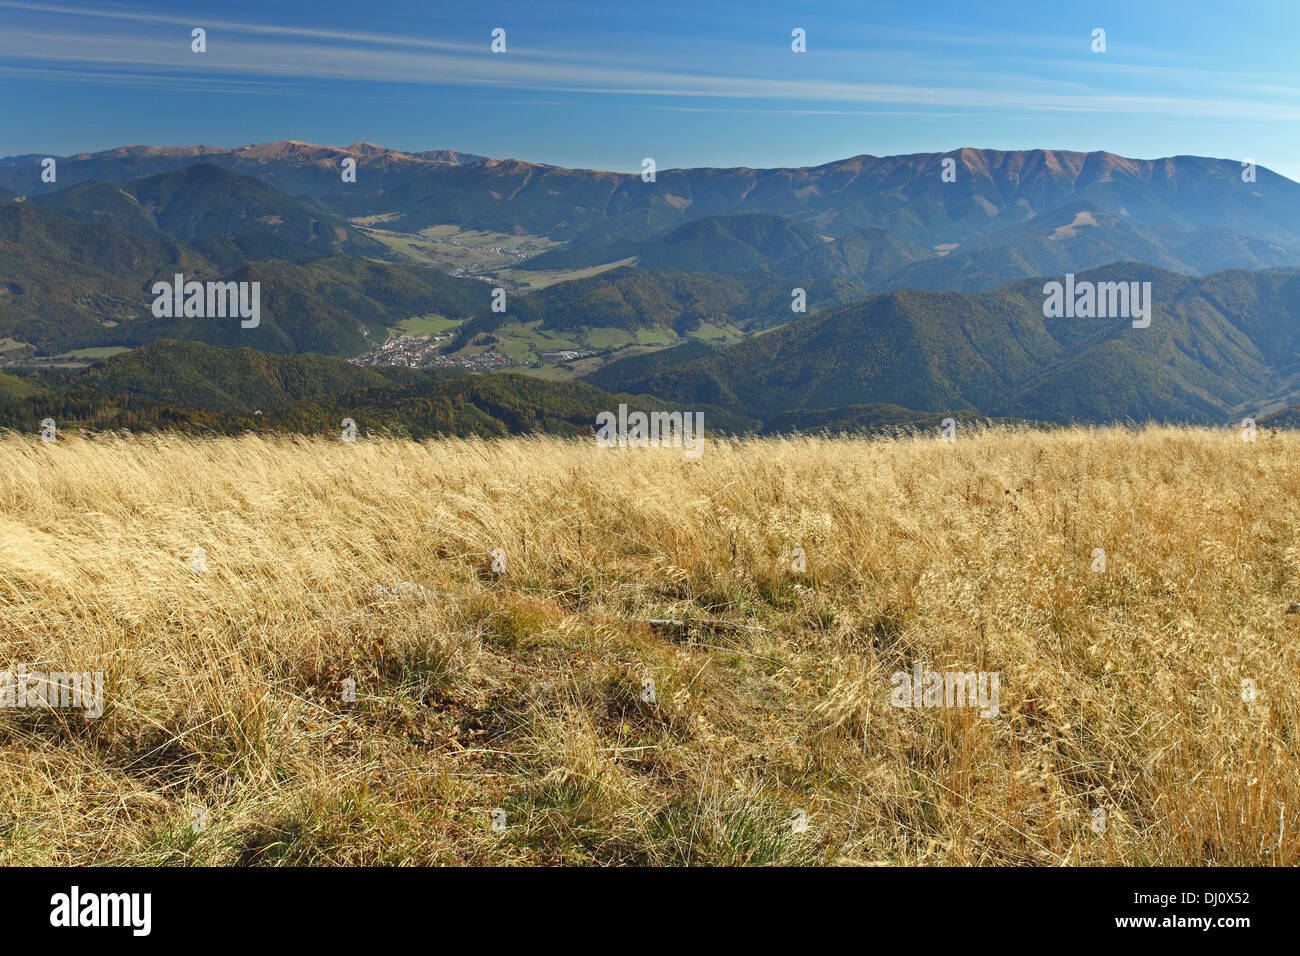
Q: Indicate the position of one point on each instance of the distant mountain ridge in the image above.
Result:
(905, 195)
(291, 166)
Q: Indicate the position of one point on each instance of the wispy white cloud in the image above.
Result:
(171, 80)
(250, 55)
(234, 27)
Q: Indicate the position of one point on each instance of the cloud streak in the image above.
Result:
(250, 60)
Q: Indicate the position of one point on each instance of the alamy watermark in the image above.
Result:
(208, 300)
(946, 689)
(1098, 300)
(32, 689)
(75, 908)
(654, 429)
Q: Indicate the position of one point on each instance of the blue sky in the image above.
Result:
(603, 84)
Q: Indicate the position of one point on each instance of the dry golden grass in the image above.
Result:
(1119, 690)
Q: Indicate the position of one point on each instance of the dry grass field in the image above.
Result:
(226, 738)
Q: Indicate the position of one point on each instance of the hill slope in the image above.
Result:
(630, 298)
(190, 386)
(1076, 237)
(871, 257)
(335, 304)
(1215, 345)
(206, 200)
(726, 244)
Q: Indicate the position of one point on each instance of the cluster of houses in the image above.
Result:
(423, 351)
(563, 355)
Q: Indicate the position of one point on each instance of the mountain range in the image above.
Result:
(866, 290)
(907, 195)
